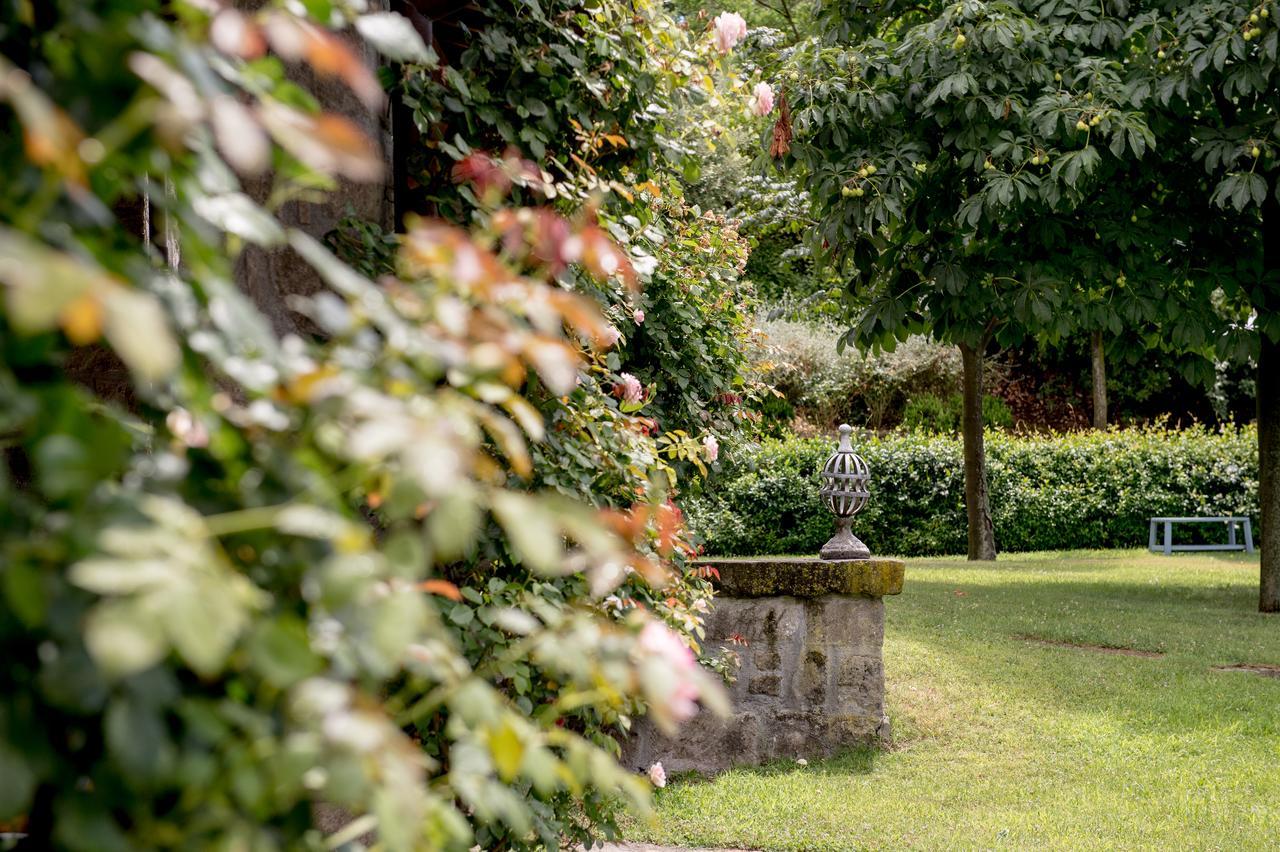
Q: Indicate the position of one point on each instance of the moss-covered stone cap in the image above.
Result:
(801, 577)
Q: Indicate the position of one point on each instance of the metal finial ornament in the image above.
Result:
(844, 490)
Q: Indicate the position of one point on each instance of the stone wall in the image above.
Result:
(810, 635)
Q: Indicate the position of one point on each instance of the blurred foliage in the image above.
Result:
(1048, 492)
(771, 211)
(688, 336)
(786, 277)
(603, 107)
(590, 109)
(1050, 387)
(826, 387)
(794, 19)
(599, 96)
(942, 414)
(244, 575)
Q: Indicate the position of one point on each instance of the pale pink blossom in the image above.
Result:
(658, 775)
(638, 316)
(657, 640)
(712, 446)
(762, 99)
(632, 390)
(184, 426)
(571, 249)
(611, 335)
(609, 262)
(731, 28)
(467, 268)
(682, 703)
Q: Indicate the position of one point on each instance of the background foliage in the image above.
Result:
(1057, 492)
(827, 388)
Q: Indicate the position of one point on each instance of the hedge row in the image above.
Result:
(1080, 490)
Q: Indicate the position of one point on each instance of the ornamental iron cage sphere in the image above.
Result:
(845, 479)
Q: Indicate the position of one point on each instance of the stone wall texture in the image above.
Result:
(811, 683)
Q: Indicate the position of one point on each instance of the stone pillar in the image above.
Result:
(810, 634)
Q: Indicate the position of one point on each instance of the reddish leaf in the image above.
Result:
(443, 588)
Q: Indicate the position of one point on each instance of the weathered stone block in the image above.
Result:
(765, 685)
(807, 578)
(701, 744)
(766, 659)
(812, 676)
(856, 679)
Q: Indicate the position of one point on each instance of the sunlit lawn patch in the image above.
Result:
(1052, 743)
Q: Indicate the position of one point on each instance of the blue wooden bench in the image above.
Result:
(1230, 520)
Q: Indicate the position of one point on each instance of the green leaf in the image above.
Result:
(24, 590)
(138, 741)
(236, 213)
(19, 783)
(64, 467)
(453, 525)
(123, 638)
(395, 38)
(281, 652)
(507, 751)
(532, 530)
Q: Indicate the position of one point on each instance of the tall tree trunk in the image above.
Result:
(1098, 357)
(1269, 473)
(1269, 423)
(982, 536)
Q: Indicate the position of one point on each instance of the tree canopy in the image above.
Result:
(998, 170)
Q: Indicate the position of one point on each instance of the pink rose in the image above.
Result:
(611, 335)
(682, 704)
(658, 775)
(638, 316)
(657, 640)
(731, 28)
(762, 99)
(632, 390)
(712, 446)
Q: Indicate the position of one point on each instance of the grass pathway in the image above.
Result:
(1009, 735)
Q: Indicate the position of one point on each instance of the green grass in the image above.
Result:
(1001, 742)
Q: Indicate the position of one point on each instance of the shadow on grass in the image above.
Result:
(1168, 593)
(975, 638)
(859, 761)
(1075, 561)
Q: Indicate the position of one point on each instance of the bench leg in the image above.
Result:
(1168, 538)
(1248, 535)
(1231, 533)
(1151, 539)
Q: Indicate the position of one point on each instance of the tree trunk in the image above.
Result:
(1098, 357)
(1269, 425)
(1268, 474)
(982, 537)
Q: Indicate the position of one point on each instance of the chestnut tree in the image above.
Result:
(988, 172)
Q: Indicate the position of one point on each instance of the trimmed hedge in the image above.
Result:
(1054, 492)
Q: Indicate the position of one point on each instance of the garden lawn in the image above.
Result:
(1005, 742)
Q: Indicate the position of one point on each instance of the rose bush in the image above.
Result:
(244, 575)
